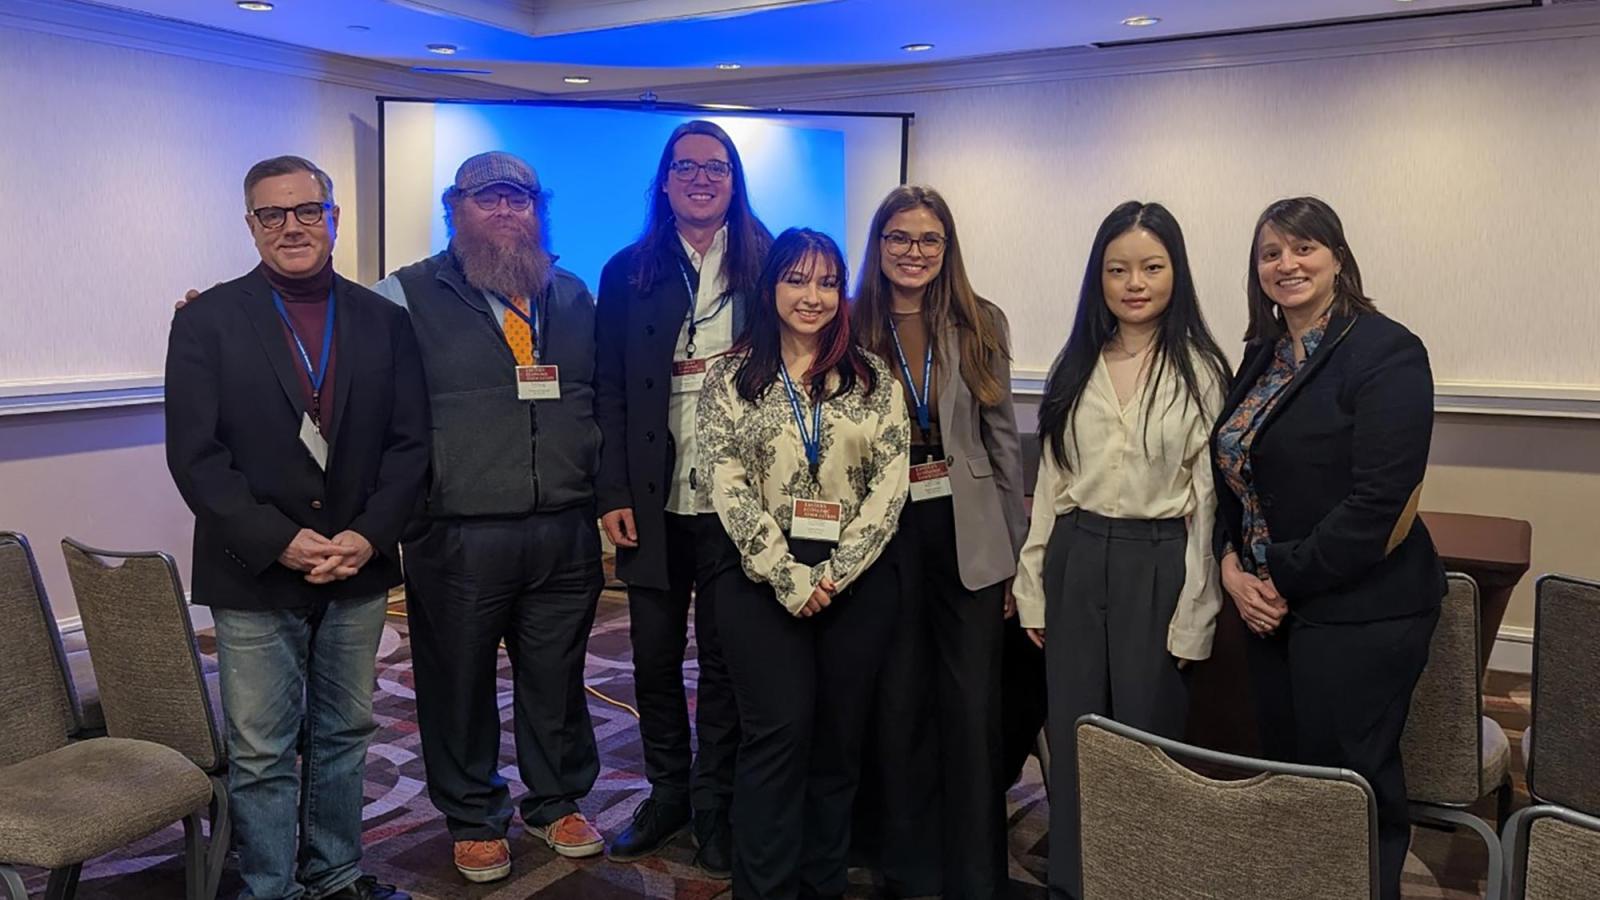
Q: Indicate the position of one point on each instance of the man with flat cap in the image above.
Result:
(507, 548)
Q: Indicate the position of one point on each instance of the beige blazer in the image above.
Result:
(984, 453)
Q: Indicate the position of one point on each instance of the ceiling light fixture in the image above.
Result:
(443, 49)
(254, 5)
(916, 48)
(729, 67)
(1140, 21)
(359, 27)
(576, 79)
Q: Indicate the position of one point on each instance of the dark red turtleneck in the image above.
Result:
(306, 300)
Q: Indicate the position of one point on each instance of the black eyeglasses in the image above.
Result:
(489, 198)
(898, 243)
(687, 169)
(275, 216)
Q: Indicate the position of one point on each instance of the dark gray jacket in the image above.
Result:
(493, 454)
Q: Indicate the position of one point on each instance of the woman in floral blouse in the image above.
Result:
(1321, 449)
(805, 439)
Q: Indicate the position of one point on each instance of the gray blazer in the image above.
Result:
(985, 457)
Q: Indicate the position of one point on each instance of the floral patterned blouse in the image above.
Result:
(756, 466)
(1238, 434)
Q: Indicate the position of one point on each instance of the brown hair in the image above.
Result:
(286, 165)
(1307, 219)
(948, 298)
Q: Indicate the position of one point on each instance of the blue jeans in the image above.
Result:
(290, 676)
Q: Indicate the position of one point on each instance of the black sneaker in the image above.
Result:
(713, 840)
(367, 888)
(654, 825)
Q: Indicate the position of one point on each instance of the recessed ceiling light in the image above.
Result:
(450, 70)
(442, 49)
(359, 27)
(576, 79)
(254, 5)
(1140, 21)
(729, 67)
(916, 48)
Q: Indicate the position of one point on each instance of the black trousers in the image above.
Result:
(697, 553)
(532, 582)
(1338, 695)
(804, 688)
(1022, 700)
(935, 762)
(1111, 587)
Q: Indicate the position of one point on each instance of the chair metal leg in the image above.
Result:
(194, 856)
(1491, 842)
(221, 835)
(63, 883)
(12, 882)
(1042, 748)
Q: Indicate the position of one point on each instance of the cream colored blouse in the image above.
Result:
(1114, 474)
(756, 466)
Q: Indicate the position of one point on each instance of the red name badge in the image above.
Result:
(930, 481)
(538, 383)
(816, 520)
(688, 375)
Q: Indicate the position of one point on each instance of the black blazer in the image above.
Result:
(234, 406)
(1335, 465)
(636, 332)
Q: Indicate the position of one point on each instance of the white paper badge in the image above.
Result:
(312, 437)
(816, 520)
(930, 481)
(688, 375)
(538, 383)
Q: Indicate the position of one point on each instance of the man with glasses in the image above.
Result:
(506, 548)
(297, 432)
(669, 303)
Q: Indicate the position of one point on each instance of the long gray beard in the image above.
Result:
(517, 270)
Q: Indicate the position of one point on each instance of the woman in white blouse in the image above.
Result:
(805, 441)
(1117, 581)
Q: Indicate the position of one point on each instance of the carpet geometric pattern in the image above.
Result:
(407, 844)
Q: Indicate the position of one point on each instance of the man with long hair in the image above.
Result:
(669, 303)
(506, 548)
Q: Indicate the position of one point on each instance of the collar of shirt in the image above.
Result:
(1311, 340)
(719, 243)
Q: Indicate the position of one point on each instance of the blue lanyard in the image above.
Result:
(694, 301)
(924, 415)
(530, 317)
(812, 441)
(319, 373)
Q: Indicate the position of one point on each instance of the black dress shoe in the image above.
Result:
(367, 888)
(654, 825)
(713, 838)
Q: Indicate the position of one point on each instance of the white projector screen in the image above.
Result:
(826, 171)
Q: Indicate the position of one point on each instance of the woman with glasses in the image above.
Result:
(937, 752)
(804, 438)
(1117, 581)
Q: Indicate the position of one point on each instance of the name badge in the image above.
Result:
(688, 375)
(315, 443)
(816, 520)
(930, 481)
(538, 383)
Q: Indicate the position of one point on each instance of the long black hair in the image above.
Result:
(837, 349)
(748, 238)
(1181, 336)
(1303, 219)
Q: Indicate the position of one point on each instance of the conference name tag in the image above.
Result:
(816, 520)
(688, 375)
(311, 436)
(930, 481)
(538, 383)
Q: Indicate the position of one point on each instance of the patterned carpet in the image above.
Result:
(406, 842)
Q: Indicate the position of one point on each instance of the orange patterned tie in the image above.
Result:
(518, 334)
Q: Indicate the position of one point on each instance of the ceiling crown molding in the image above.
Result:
(1573, 19)
(122, 28)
